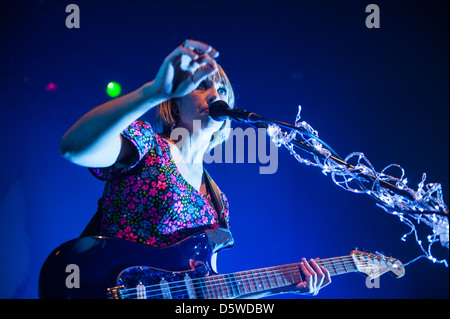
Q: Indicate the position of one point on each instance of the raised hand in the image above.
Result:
(185, 68)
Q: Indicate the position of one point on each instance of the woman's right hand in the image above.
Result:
(185, 68)
(95, 140)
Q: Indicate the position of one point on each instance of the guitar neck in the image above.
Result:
(115, 270)
(241, 283)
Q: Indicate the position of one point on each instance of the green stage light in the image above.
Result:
(113, 89)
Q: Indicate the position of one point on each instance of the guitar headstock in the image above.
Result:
(374, 265)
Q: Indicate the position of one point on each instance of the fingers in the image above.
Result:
(320, 275)
(316, 277)
(311, 277)
(192, 55)
(193, 49)
(202, 73)
(204, 60)
(185, 67)
(207, 67)
(306, 286)
(326, 277)
(180, 51)
(200, 48)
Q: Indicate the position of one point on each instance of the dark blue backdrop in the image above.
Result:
(382, 91)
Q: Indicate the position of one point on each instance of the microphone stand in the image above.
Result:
(263, 123)
(401, 201)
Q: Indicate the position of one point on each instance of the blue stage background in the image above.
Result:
(383, 92)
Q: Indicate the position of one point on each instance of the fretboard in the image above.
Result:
(242, 283)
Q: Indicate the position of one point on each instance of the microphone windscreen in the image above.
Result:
(218, 110)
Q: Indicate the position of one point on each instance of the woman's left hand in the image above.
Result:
(316, 277)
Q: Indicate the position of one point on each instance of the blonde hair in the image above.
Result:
(167, 113)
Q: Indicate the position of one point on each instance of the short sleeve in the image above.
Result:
(142, 136)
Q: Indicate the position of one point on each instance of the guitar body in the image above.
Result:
(86, 267)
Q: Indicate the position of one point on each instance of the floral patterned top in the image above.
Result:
(150, 202)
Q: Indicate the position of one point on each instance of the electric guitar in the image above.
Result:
(103, 267)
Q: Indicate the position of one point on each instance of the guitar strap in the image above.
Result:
(93, 227)
(218, 238)
(217, 202)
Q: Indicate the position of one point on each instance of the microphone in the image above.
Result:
(220, 111)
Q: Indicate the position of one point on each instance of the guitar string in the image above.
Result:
(218, 286)
(217, 281)
(282, 267)
(209, 290)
